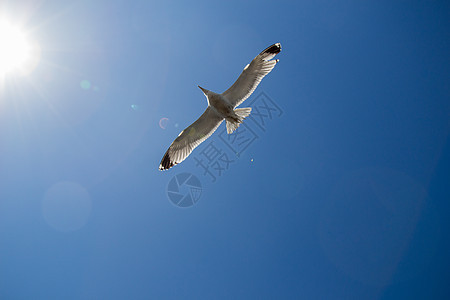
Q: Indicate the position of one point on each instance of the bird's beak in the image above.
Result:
(205, 91)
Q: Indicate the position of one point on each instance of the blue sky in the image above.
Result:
(344, 195)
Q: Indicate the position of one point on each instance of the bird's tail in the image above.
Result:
(241, 114)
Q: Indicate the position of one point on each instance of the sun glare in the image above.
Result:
(14, 49)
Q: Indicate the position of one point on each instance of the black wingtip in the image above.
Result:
(166, 164)
(274, 49)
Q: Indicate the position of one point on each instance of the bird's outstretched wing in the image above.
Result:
(190, 138)
(252, 75)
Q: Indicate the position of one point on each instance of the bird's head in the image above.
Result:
(205, 91)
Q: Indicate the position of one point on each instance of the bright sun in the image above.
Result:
(14, 48)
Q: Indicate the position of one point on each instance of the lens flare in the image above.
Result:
(163, 123)
(85, 84)
(15, 51)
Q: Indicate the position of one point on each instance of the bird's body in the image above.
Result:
(222, 107)
(220, 104)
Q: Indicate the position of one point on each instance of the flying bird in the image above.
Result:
(222, 107)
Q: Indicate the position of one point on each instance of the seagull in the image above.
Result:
(222, 107)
